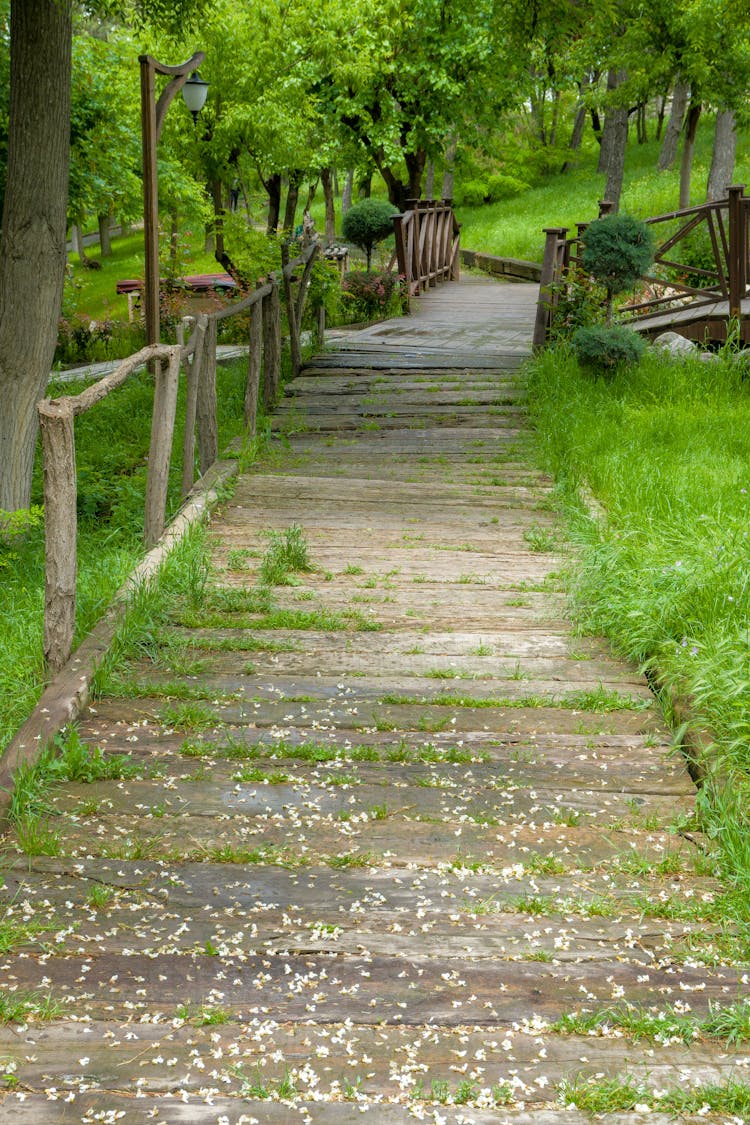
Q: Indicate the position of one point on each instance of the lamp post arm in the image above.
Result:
(180, 75)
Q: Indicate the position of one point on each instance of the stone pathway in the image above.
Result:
(394, 828)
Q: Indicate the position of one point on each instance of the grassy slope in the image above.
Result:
(513, 227)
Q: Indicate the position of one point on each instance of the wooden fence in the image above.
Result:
(687, 289)
(427, 245)
(198, 356)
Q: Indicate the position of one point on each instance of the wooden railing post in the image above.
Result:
(271, 345)
(253, 367)
(160, 451)
(208, 432)
(193, 365)
(60, 530)
(737, 249)
(291, 311)
(606, 207)
(545, 304)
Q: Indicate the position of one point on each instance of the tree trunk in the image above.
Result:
(613, 123)
(415, 162)
(105, 244)
(641, 123)
(450, 166)
(364, 187)
(292, 197)
(661, 115)
(273, 187)
(671, 142)
(579, 123)
(33, 259)
(326, 178)
(218, 202)
(688, 147)
(722, 157)
(596, 124)
(346, 197)
(429, 183)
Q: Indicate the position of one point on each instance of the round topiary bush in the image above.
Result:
(617, 251)
(367, 223)
(604, 348)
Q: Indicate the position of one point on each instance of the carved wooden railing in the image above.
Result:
(666, 286)
(198, 355)
(427, 245)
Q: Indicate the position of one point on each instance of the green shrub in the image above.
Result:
(617, 251)
(604, 348)
(368, 295)
(501, 186)
(472, 193)
(367, 223)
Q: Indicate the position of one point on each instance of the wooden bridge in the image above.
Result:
(390, 839)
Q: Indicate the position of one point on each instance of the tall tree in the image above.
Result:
(32, 254)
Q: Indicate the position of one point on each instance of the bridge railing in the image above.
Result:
(427, 244)
(198, 355)
(718, 271)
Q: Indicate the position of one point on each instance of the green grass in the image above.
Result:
(665, 449)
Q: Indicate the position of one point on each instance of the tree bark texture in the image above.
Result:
(33, 259)
(273, 187)
(292, 197)
(271, 346)
(326, 179)
(253, 369)
(671, 142)
(429, 183)
(723, 154)
(208, 433)
(688, 148)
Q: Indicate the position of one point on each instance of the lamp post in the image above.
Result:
(153, 113)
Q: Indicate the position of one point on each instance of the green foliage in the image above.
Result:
(367, 223)
(617, 251)
(604, 348)
(286, 555)
(14, 526)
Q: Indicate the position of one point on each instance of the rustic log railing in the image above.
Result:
(427, 245)
(666, 287)
(198, 355)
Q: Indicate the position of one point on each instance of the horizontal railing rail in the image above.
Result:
(198, 356)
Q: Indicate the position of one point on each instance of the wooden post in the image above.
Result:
(737, 250)
(208, 432)
(271, 345)
(253, 367)
(193, 367)
(548, 278)
(60, 528)
(160, 451)
(402, 255)
(291, 311)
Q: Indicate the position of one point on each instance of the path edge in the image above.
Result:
(66, 695)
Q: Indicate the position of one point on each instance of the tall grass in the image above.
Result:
(666, 449)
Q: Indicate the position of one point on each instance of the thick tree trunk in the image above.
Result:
(105, 244)
(415, 162)
(326, 179)
(722, 157)
(273, 187)
(450, 166)
(671, 142)
(688, 148)
(76, 243)
(613, 123)
(346, 195)
(33, 259)
(579, 123)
